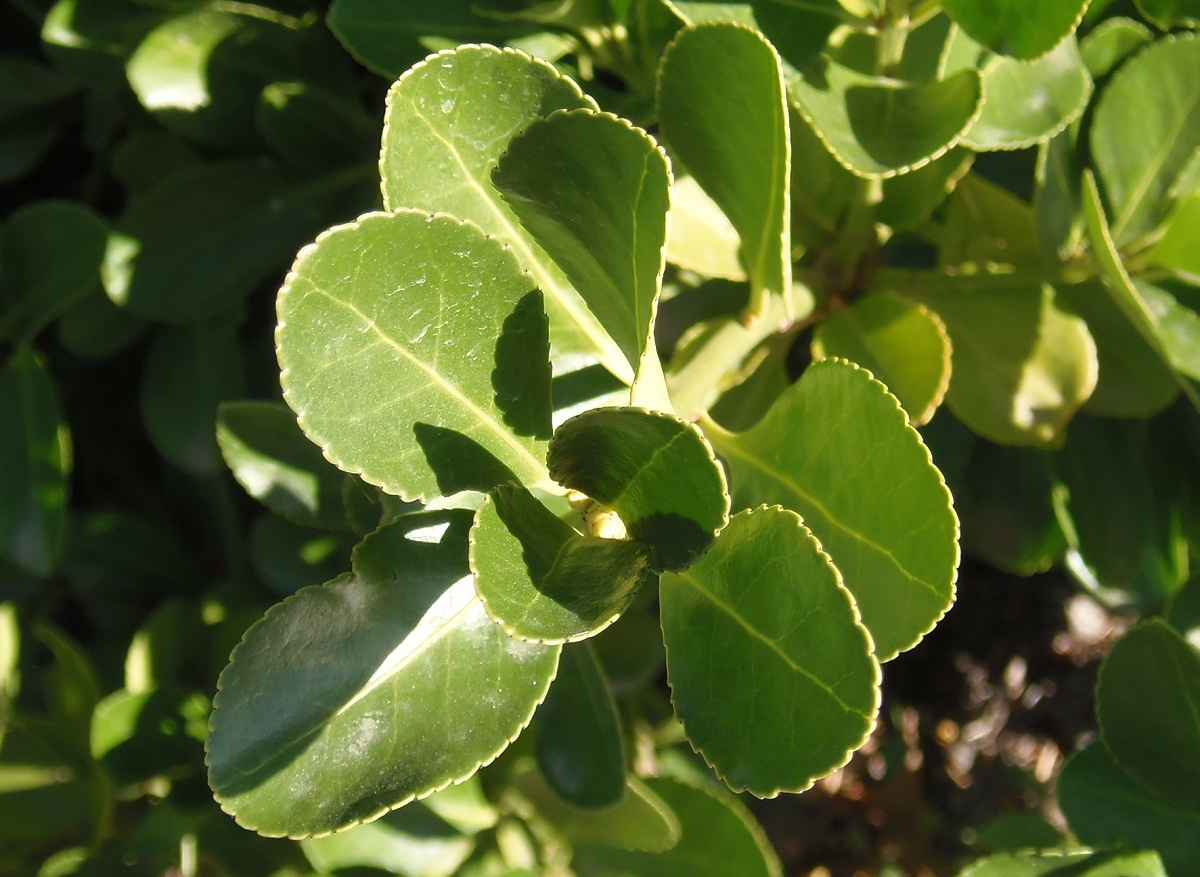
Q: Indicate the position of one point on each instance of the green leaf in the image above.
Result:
(139, 735)
(241, 215)
(1021, 28)
(1167, 326)
(1142, 148)
(593, 192)
(1184, 613)
(909, 200)
(270, 457)
(837, 448)
(640, 820)
(718, 837)
(1021, 365)
(1168, 14)
(899, 341)
(352, 698)
(1028, 102)
(35, 457)
(1148, 706)
(798, 31)
(1073, 864)
(288, 557)
(50, 257)
(448, 121)
(879, 127)
(413, 842)
(315, 129)
(32, 104)
(543, 581)
(723, 109)
(1179, 247)
(386, 329)
(579, 743)
(1110, 42)
(823, 190)
(95, 328)
(189, 371)
(1106, 808)
(700, 237)
(771, 671)
(656, 472)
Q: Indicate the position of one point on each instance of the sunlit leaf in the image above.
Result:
(1168, 14)
(1054, 863)
(700, 237)
(1019, 28)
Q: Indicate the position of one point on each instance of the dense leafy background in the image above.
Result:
(757, 281)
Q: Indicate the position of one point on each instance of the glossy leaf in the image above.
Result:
(723, 109)
(718, 837)
(578, 736)
(657, 473)
(1019, 28)
(1142, 148)
(189, 371)
(1168, 14)
(270, 457)
(700, 237)
(837, 448)
(543, 581)
(1027, 102)
(448, 121)
(1106, 807)
(798, 31)
(246, 217)
(771, 671)
(1148, 706)
(879, 127)
(1165, 325)
(1071, 864)
(35, 457)
(414, 351)
(593, 192)
(899, 341)
(407, 686)
(50, 257)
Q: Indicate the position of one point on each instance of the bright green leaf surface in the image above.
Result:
(640, 820)
(700, 237)
(269, 456)
(1168, 327)
(412, 842)
(899, 341)
(1168, 14)
(578, 736)
(385, 685)
(1074, 864)
(414, 350)
(656, 472)
(50, 256)
(771, 671)
(719, 838)
(1111, 42)
(593, 191)
(797, 30)
(723, 109)
(189, 371)
(1029, 102)
(543, 581)
(448, 121)
(837, 448)
(1106, 807)
(35, 457)
(1179, 247)
(1021, 28)
(1142, 147)
(880, 127)
(1021, 365)
(1148, 705)
(240, 215)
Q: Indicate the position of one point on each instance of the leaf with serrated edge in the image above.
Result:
(771, 671)
(413, 349)
(543, 581)
(837, 448)
(447, 122)
(1017, 27)
(723, 109)
(655, 471)
(594, 191)
(385, 685)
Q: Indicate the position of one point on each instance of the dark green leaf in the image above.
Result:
(139, 735)
(31, 113)
(798, 31)
(543, 581)
(414, 350)
(910, 199)
(837, 448)
(1168, 14)
(1020, 28)
(352, 698)
(657, 473)
(288, 557)
(1148, 706)
(35, 459)
(315, 129)
(771, 671)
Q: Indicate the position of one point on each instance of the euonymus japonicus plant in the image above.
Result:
(599, 387)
